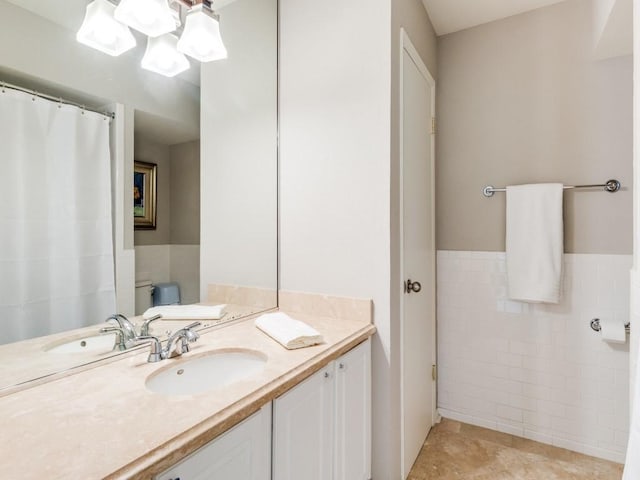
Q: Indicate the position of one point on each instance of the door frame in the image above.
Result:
(407, 46)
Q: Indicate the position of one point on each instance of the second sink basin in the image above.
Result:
(206, 372)
(96, 344)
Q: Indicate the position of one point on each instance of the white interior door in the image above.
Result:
(418, 252)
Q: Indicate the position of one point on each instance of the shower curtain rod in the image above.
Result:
(61, 100)
(611, 186)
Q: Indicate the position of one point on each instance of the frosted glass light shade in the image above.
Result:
(201, 37)
(162, 56)
(100, 30)
(151, 17)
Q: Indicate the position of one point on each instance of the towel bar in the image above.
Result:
(611, 186)
(595, 325)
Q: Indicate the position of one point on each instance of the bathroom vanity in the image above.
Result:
(320, 429)
(125, 430)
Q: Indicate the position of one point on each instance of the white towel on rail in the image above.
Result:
(288, 332)
(535, 242)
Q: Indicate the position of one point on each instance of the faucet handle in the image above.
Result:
(178, 343)
(190, 334)
(128, 330)
(193, 325)
(144, 330)
(120, 344)
(106, 330)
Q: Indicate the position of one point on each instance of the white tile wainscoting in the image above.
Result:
(534, 370)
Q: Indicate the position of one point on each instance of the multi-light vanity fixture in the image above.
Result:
(106, 28)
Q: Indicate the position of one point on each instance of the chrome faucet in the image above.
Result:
(156, 353)
(120, 344)
(128, 329)
(177, 344)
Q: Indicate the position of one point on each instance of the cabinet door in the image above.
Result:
(353, 414)
(242, 453)
(303, 429)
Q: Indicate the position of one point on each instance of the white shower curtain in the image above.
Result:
(56, 255)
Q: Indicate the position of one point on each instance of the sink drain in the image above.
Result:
(180, 372)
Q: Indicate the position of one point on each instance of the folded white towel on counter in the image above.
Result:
(187, 312)
(288, 332)
(535, 242)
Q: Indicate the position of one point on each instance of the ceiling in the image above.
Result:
(450, 16)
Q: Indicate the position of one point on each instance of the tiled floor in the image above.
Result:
(456, 450)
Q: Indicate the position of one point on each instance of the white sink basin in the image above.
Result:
(207, 372)
(95, 344)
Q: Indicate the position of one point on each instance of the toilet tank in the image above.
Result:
(166, 294)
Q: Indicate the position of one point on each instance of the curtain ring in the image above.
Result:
(3, 85)
(59, 102)
(34, 94)
(82, 110)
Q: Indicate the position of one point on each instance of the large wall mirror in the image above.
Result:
(70, 255)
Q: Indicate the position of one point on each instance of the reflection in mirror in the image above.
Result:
(69, 254)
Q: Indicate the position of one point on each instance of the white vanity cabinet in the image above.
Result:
(242, 453)
(318, 430)
(353, 414)
(322, 427)
(303, 429)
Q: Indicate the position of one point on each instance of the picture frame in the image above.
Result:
(144, 195)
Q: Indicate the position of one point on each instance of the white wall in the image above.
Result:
(613, 25)
(537, 371)
(239, 152)
(46, 51)
(335, 69)
(635, 276)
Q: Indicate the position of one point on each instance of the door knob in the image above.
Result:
(410, 286)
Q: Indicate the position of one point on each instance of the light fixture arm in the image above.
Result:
(186, 3)
(193, 3)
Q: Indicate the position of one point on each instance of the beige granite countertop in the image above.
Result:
(104, 423)
(29, 360)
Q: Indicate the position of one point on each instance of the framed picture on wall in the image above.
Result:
(144, 195)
